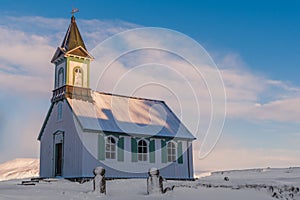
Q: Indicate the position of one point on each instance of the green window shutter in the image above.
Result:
(152, 151)
(101, 147)
(133, 150)
(121, 149)
(179, 152)
(163, 151)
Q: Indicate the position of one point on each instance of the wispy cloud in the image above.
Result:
(253, 96)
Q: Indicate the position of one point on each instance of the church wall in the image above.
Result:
(46, 156)
(176, 170)
(73, 145)
(47, 144)
(127, 168)
(191, 163)
(72, 151)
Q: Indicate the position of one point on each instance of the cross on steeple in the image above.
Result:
(74, 10)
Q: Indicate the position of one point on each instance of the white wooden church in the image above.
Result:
(85, 128)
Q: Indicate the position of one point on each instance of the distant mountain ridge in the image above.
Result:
(19, 168)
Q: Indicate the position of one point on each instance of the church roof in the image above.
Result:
(128, 115)
(72, 38)
(72, 41)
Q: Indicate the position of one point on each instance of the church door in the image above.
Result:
(58, 159)
(58, 153)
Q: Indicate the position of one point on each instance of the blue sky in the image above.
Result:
(265, 33)
(255, 44)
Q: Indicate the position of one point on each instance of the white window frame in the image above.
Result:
(172, 157)
(110, 152)
(143, 155)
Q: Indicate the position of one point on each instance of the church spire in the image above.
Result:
(73, 37)
(72, 43)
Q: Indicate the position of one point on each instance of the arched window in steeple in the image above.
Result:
(60, 80)
(77, 77)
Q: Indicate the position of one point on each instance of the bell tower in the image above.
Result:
(72, 67)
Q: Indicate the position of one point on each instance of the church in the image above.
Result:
(84, 128)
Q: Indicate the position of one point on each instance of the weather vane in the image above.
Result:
(74, 10)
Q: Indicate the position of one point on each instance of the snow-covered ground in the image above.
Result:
(277, 183)
(129, 189)
(258, 184)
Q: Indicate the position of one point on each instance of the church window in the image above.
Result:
(110, 148)
(59, 111)
(77, 77)
(171, 152)
(60, 81)
(142, 150)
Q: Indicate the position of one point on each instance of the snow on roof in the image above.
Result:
(130, 115)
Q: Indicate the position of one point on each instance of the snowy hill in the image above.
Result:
(19, 168)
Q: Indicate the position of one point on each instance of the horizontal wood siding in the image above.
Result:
(101, 147)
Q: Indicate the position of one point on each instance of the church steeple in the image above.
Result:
(72, 41)
(73, 38)
(72, 66)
